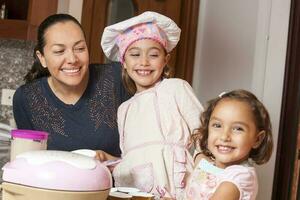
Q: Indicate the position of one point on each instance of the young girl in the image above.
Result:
(235, 131)
(156, 123)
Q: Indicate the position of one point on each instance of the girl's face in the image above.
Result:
(232, 132)
(144, 62)
(65, 54)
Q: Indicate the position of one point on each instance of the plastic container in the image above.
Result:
(27, 140)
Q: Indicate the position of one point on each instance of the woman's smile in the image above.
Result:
(71, 71)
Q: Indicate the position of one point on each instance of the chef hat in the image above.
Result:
(149, 25)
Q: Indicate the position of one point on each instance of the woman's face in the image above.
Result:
(65, 55)
(144, 62)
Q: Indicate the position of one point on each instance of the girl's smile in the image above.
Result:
(225, 149)
(142, 72)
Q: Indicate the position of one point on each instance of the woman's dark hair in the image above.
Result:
(37, 70)
(260, 154)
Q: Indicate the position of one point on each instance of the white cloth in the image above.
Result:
(155, 127)
(110, 33)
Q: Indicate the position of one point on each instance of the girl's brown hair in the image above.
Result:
(259, 155)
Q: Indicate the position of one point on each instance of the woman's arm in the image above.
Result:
(20, 113)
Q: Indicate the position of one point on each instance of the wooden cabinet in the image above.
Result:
(286, 183)
(24, 17)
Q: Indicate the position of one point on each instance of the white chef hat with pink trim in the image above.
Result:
(148, 25)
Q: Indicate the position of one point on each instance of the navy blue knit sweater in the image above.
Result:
(89, 124)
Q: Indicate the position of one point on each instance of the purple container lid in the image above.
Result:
(29, 134)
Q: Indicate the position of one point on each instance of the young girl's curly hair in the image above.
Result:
(259, 155)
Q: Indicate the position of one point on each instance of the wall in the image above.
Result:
(74, 8)
(273, 79)
(228, 42)
(15, 60)
(242, 44)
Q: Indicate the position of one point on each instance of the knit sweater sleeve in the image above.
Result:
(19, 110)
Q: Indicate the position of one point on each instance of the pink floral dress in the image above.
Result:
(206, 178)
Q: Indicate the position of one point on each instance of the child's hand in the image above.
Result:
(103, 156)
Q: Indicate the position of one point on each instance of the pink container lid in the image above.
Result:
(58, 170)
(29, 134)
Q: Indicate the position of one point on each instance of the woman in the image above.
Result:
(74, 101)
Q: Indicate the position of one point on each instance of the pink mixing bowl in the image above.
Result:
(59, 170)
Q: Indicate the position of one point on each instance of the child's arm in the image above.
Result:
(237, 182)
(226, 190)
(188, 105)
(199, 156)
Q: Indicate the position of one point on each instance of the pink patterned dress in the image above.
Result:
(206, 178)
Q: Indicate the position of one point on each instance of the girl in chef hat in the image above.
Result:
(156, 123)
